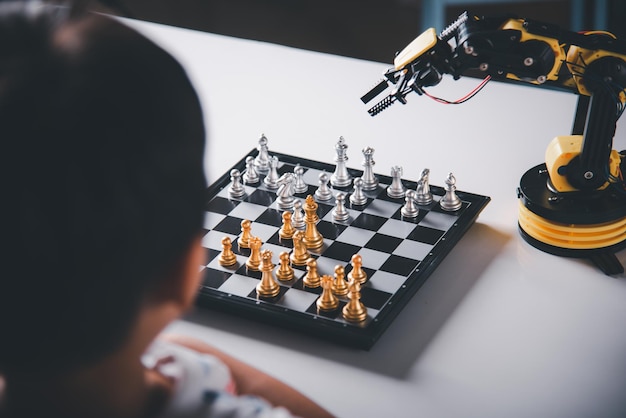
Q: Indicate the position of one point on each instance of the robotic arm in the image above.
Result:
(575, 203)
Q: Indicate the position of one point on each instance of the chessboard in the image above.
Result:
(398, 253)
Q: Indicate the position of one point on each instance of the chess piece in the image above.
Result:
(284, 194)
(286, 230)
(312, 237)
(250, 176)
(340, 213)
(284, 271)
(254, 260)
(323, 192)
(244, 238)
(327, 300)
(227, 257)
(267, 287)
(450, 201)
(340, 286)
(300, 254)
(262, 160)
(410, 209)
(236, 188)
(370, 182)
(297, 220)
(271, 180)
(341, 177)
(424, 195)
(357, 197)
(354, 311)
(299, 185)
(357, 273)
(396, 189)
(312, 278)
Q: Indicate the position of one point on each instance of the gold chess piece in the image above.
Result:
(357, 272)
(327, 300)
(227, 257)
(286, 230)
(300, 254)
(284, 271)
(267, 287)
(254, 261)
(312, 237)
(354, 311)
(244, 239)
(312, 278)
(340, 286)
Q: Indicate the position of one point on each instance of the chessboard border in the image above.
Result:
(341, 333)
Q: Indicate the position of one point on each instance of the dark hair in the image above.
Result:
(102, 181)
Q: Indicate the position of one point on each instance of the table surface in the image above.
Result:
(500, 329)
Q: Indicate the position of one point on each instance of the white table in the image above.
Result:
(500, 329)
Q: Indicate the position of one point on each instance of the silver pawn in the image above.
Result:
(323, 193)
(271, 180)
(284, 194)
(409, 210)
(396, 189)
(340, 213)
(236, 188)
(357, 197)
(424, 195)
(299, 186)
(450, 201)
(370, 182)
(250, 176)
(341, 177)
(297, 219)
(262, 161)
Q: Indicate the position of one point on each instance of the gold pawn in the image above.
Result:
(284, 271)
(300, 254)
(340, 286)
(244, 239)
(312, 278)
(357, 272)
(254, 261)
(312, 237)
(227, 256)
(327, 301)
(354, 311)
(267, 287)
(286, 230)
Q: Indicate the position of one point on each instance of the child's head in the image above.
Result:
(102, 182)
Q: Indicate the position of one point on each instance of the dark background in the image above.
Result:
(367, 29)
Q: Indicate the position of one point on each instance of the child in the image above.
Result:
(102, 206)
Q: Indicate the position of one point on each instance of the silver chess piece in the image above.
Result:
(323, 192)
(297, 219)
(250, 176)
(396, 189)
(271, 180)
(299, 186)
(450, 201)
(341, 177)
(284, 194)
(262, 160)
(236, 188)
(357, 197)
(424, 195)
(370, 182)
(340, 213)
(410, 209)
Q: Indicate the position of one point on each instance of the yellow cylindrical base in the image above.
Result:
(572, 236)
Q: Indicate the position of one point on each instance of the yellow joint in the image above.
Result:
(571, 236)
(560, 153)
(420, 45)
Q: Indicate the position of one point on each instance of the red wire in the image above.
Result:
(462, 99)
